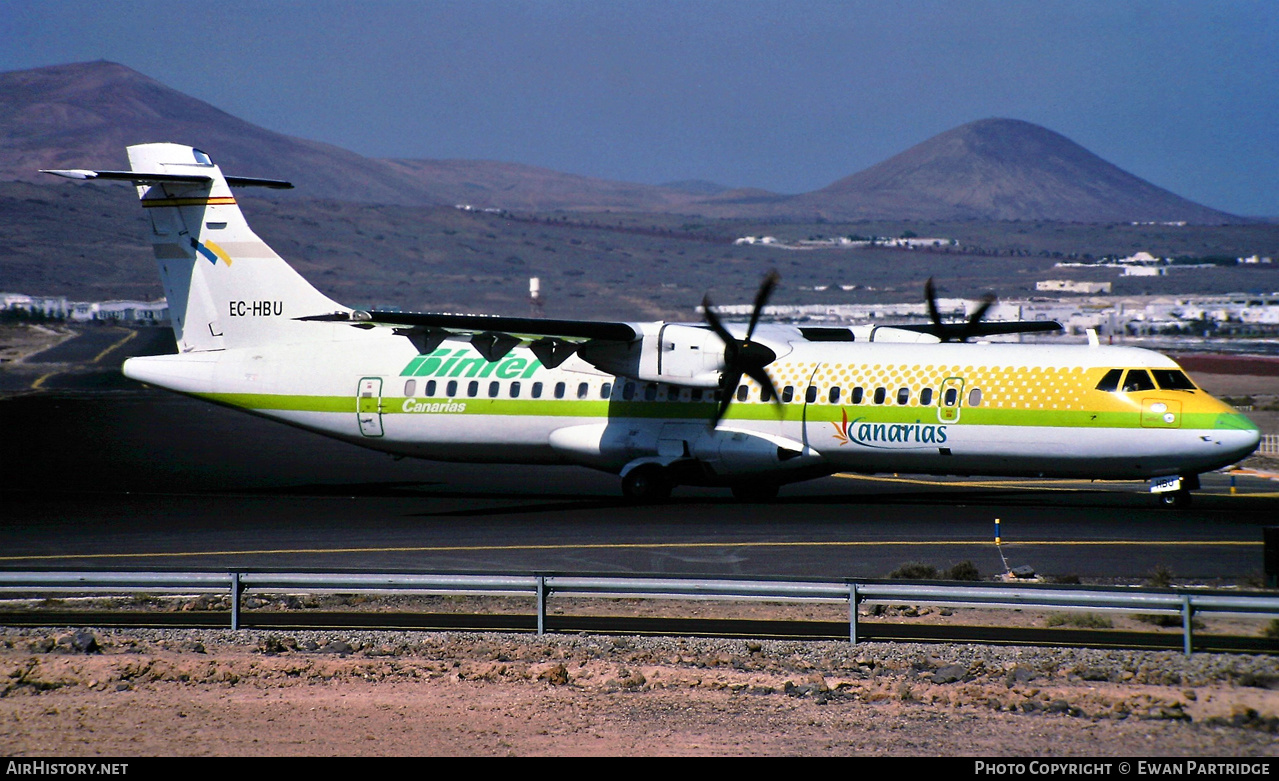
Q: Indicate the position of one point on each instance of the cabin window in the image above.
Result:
(451, 390)
(858, 393)
(765, 395)
(810, 395)
(559, 390)
(473, 388)
(410, 387)
(926, 397)
(495, 387)
(1171, 379)
(515, 389)
(650, 391)
(1138, 380)
(1111, 381)
(788, 394)
(583, 389)
(606, 390)
(903, 396)
(880, 395)
(833, 396)
(628, 391)
(430, 388)
(952, 396)
(537, 390)
(974, 397)
(742, 392)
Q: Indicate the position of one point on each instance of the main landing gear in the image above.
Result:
(647, 483)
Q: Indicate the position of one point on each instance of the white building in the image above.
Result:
(1074, 286)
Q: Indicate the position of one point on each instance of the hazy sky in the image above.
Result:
(788, 96)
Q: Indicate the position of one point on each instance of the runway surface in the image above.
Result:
(150, 480)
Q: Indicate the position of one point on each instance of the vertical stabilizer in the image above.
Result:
(226, 288)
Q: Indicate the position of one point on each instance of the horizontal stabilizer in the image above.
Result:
(158, 178)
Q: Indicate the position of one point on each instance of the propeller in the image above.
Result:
(955, 332)
(743, 356)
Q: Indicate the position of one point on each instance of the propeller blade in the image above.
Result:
(930, 295)
(727, 389)
(712, 319)
(761, 298)
(742, 356)
(759, 375)
(970, 327)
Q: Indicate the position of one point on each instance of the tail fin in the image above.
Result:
(226, 288)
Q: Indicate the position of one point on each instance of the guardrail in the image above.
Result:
(540, 588)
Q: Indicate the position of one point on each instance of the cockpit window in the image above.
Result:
(1138, 380)
(1111, 381)
(1171, 379)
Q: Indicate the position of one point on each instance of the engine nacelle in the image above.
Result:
(667, 352)
(886, 333)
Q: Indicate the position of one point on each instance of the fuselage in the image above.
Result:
(940, 409)
(657, 403)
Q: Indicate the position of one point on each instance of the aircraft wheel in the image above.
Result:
(754, 492)
(1175, 499)
(648, 483)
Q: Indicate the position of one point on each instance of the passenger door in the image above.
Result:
(369, 406)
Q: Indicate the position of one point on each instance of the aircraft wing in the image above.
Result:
(552, 341)
(950, 331)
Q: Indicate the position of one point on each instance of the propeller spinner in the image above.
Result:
(743, 356)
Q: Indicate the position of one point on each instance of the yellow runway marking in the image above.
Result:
(35, 385)
(130, 335)
(648, 546)
(1038, 485)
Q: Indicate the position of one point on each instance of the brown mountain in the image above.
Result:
(1000, 169)
(516, 187)
(83, 115)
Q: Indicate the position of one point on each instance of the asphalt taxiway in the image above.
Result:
(150, 480)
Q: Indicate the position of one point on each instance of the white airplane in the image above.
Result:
(660, 404)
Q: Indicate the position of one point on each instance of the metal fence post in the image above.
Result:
(235, 600)
(541, 604)
(1187, 619)
(852, 613)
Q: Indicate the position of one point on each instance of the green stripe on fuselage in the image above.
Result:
(676, 410)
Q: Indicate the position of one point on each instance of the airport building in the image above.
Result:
(59, 308)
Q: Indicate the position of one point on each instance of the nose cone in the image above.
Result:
(1238, 435)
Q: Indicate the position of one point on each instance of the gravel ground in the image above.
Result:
(205, 692)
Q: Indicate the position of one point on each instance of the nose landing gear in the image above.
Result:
(1174, 491)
